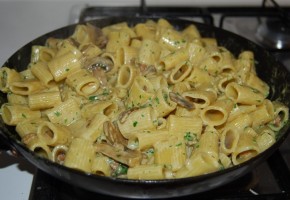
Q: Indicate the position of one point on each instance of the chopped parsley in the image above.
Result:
(135, 123)
(57, 113)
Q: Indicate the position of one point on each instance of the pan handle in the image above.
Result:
(6, 146)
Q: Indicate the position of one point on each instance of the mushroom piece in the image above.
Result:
(147, 69)
(97, 35)
(128, 157)
(99, 66)
(125, 114)
(181, 101)
(113, 134)
(104, 63)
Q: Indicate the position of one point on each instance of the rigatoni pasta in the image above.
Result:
(141, 102)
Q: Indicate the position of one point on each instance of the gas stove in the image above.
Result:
(270, 180)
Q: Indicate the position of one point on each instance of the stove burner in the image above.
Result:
(274, 33)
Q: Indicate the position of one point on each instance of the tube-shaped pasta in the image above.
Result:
(147, 139)
(108, 108)
(41, 71)
(158, 82)
(184, 112)
(140, 92)
(240, 110)
(171, 60)
(246, 148)
(244, 67)
(58, 153)
(255, 82)
(209, 142)
(240, 123)
(210, 65)
(85, 33)
(190, 32)
(52, 42)
(41, 54)
(80, 155)
(65, 113)
(37, 146)
(162, 103)
(229, 139)
(92, 129)
(26, 87)
(141, 119)
(180, 72)
(243, 94)
(44, 100)
(101, 166)
(198, 164)
(127, 55)
(149, 52)
(126, 76)
(263, 114)
(63, 65)
(116, 63)
(196, 52)
(226, 65)
(217, 113)
(146, 31)
(17, 99)
(53, 134)
(172, 40)
(83, 82)
(225, 160)
(170, 152)
(281, 116)
(146, 172)
(117, 39)
(209, 41)
(199, 77)
(181, 125)
(28, 126)
(247, 64)
(8, 76)
(224, 81)
(89, 51)
(114, 27)
(14, 114)
(200, 98)
(266, 137)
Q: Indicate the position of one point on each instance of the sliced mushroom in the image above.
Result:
(128, 157)
(100, 62)
(181, 101)
(97, 35)
(113, 134)
(147, 69)
(101, 76)
(125, 114)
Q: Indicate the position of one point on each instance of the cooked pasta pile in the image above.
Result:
(142, 102)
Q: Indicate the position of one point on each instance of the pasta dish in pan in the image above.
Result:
(142, 102)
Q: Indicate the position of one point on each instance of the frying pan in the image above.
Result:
(268, 69)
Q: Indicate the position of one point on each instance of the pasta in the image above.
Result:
(141, 102)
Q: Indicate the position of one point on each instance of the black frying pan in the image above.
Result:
(271, 71)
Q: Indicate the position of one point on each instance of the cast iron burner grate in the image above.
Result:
(269, 181)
